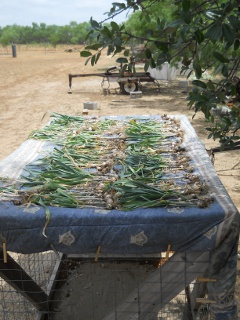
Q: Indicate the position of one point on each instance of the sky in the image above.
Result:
(57, 12)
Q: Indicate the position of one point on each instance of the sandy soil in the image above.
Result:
(35, 83)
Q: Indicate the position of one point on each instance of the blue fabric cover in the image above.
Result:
(138, 231)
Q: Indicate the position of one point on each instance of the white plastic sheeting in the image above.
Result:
(165, 72)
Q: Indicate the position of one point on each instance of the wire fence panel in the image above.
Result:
(83, 287)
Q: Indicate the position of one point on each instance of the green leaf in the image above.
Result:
(228, 33)
(211, 134)
(229, 7)
(97, 57)
(189, 74)
(220, 57)
(235, 137)
(107, 32)
(118, 4)
(198, 70)
(94, 24)
(170, 30)
(146, 66)
(89, 34)
(186, 4)
(114, 26)
(199, 83)
(93, 60)
(85, 54)
(161, 58)
(236, 44)
(94, 46)
(110, 50)
(221, 96)
(86, 62)
(118, 49)
(122, 60)
(185, 31)
(213, 14)
(186, 16)
(117, 42)
(148, 53)
(175, 23)
(210, 85)
(162, 46)
(214, 32)
(148, 18)
(199, 36)
(149, 32)
(234, 21)
(152, 63)
(130, 67)
(225, 70)
(123, 69)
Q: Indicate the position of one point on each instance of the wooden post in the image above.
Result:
(15, 276)
(161, 286)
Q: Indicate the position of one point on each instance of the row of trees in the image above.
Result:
(74, 33)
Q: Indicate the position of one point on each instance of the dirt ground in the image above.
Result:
(35, 83)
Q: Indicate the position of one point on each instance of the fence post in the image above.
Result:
(14, 51)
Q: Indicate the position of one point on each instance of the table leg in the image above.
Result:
(15, 276)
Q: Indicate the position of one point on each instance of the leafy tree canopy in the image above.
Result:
(74, 33)
(204, 36)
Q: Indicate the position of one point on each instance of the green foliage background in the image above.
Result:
(74, 33)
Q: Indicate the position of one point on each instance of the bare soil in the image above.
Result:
(35, 83)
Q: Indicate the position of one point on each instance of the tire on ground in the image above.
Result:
(127, 87)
